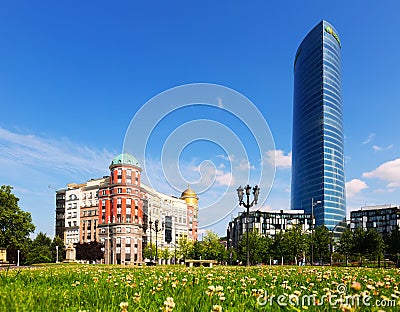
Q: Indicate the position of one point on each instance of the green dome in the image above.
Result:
(125, 159)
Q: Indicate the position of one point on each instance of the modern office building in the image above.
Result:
(318, 181)
(267, 223)
(383, 218)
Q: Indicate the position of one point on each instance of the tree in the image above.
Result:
(266, 251)
(278, 246)
(89, 251)
(346, 244)
(165, 253)
(358, 243)
(294, 242)
(149, 251)
(57, 242)
(259, 248)
(197, 252)
(40, 250)
(185, 246)
(211, 246)
(393, 244)
(373, 244)
(321, 243)
(15, 224)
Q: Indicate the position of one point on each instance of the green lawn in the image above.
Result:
(176, 288)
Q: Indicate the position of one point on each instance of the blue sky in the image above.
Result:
(73, 75)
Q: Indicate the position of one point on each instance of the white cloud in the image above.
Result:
(39, 152)
(209, 175)
(355, 186)
(220, 104)
(388, 171)
(224, 178)
(380, 148)
(245, 165)
(369, 139)
(281, 160)
(227, 158)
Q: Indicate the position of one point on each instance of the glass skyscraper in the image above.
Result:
(318, 182)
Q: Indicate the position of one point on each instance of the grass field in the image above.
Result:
(175, 288)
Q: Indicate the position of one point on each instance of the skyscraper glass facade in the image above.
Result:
(318, 182)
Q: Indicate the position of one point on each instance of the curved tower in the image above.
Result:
(121, 212)
(318, 182)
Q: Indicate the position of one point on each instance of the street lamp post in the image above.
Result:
(109, 253)
(230, 251)
(247, 205)
(173, 244)
(312, 228)
(331, 246)
(57, 254)
(18, 257)
(157, 230)
(151, 242)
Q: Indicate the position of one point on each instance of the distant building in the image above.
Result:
(192, 200)
(73, 198)
(267, 223)
(60, 213)
(318, 180)
(117, 210)
(382, 218)
(178, 211)
(89, 211)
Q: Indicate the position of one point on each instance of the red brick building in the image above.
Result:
(121, 212)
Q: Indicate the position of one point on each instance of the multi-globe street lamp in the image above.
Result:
(230, 250)
(247, 205)
(156, 229)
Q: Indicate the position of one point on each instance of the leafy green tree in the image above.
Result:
(185, 246)
(266, 251)
(57, 242)
(40, 250)
(197, 252)
(149, 251)
(346, 244)
(15, 224)
(358, 243)
(374, 244)
(321, 243)
(165, 253)
(278, 246)
(294, 241)
(260, 248)
(91, 251)
(393, 244)
(211, 246)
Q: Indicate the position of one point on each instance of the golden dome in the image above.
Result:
(189, 195)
